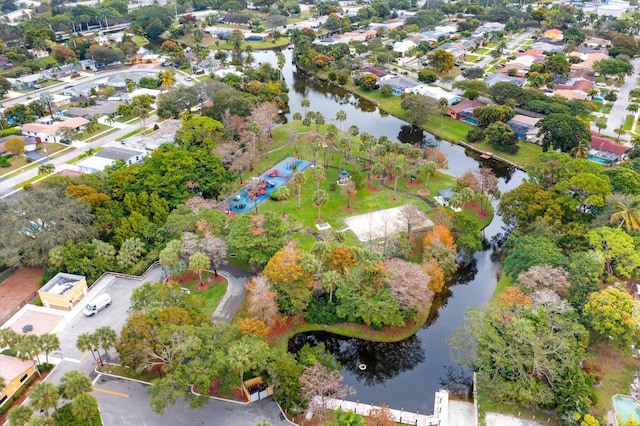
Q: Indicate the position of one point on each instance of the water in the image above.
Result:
(626, 408)
(408, 373)
(597, 159)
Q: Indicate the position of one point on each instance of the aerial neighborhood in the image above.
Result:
(371, 212)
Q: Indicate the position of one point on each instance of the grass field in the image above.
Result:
(83, 136)
(628, 123)
(212, 296)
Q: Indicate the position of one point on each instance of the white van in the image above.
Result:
(97, 304)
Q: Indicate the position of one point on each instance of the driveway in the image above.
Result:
(232, 299)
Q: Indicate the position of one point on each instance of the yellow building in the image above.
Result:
(14, 372)
(63, 291)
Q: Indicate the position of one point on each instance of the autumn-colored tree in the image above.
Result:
(262, 300)
(341, 259)
(513, 296)
(14, 146)
(432, 269)
(544, 277)
(253, 326)
(318, 382)
(442, 216)
(87, 194)
(411, 217)
(289, 272)
(441, 234)
(408, 283)
(381, 416)
(437, 156)
(349, 192)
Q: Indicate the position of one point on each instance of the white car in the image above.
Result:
(188, 78)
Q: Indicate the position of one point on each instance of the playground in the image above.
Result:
(264, 185)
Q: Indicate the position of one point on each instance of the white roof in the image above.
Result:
(435, 92)
(143, 91)
(403, 46)
(94, 164)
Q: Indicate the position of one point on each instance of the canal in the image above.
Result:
(408, 373)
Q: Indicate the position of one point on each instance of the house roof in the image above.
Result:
(446, 193)
(116, 153)
(12, 367)
(40, 128)
(494, 78)
(378, 72)
(72, 123)
(465, 104)
(519, 118)
(604, 144)
(400, 82)
(570, 94)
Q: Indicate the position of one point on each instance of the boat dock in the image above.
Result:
(439, 417)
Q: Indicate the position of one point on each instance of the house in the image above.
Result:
(404, 46)
(579, 85)
(546, 45)
(399, 85)
(38, 53)
(26, 81)
(524, 127)
(51, 133)
(108, 156)
(63, 291)
(15, 373)
(570, 95)
(606, 151)
(108, 109)
(464, 110)
(154, 93)
(436, 93)
(495, 78)
(378, 72)
(165, 133)
(553, 34)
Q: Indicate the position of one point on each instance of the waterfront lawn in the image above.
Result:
(618, 372)
(526, 155)
(255, 45)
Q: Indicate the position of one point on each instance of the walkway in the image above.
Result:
(618, 114)
(440, 409)
(237, 280)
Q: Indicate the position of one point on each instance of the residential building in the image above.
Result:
(524, 127)
(52, 132)
(399, 85)
(108, 156)
(437, 93)
(464, 110)
(606, 151)
(494, 78)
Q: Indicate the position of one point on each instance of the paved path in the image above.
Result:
(232, 299)
(618, 114)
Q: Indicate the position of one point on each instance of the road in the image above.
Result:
(7, 185)
(618, 114)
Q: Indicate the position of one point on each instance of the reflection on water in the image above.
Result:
(407, 373)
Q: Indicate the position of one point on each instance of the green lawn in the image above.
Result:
(471, 57)
(255, 45)
(128, 135)
(83, 156)
(607, 108)
(20, 161)
(83, 136)
(119, 370)
(628, 123)
(125, 118)
(526, 155)
(212, 296)
(481, 51)
(140, 40)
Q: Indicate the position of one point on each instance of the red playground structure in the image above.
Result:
(276, 173)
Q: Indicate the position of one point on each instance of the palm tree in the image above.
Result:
(627, 215)
(199, 262)
(321, 251)
(305, 103)
(378, 170)
(105, 338)
(467, 194)
(620, 131)
(44, 396)
(49, 343)
(456, 201)
(297, 116)
(28, 348)
(343, 146)
(429, 168)
(92, 126)
(601, 123)
(397, 172)
(20, 415)
(84, 407)
(166, 78)
(142, 114)
(319, 175)
(582, 150)
(8, 338)
(87, 342)
(285, 193)
(341, 116)
(320, 198)
(299, 179)
(73, 383)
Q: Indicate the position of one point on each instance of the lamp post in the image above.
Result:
(98, 359)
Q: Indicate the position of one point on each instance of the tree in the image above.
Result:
(408, 283)
(612, 313)
(618, 248)
(317, 382)
(348, 191)
(256, 238)
(20, 415)
(348, 418)
(198, 262)
(166, 78)
(73, 383)
(49, 342)
(199, 132)
(46, 169)
(381, 416)
(262, 300)
(283, 194)
(5, 85)
(61, 53)
(629, 216)
(104, 55)
(247, 353)
(87, 342)
(14, 146)
(562, 131)
(319, 175)
(501, 137)
(528, 250)
(368, 82)
(299, 179)
(320, 198)
(85, 407)
(105, 337)
(130, 252)
(170, 255)
(289, 272)
(27, 349)
(44, 396)
(441, 60)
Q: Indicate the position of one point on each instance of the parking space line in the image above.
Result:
(84, 355)
(110, 392)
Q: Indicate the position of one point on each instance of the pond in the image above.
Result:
(406, 374)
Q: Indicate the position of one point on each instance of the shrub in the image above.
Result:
(11, 131)
(321, 311)
(279, 195)
(332, 76)
(475, 135)
(4, 161)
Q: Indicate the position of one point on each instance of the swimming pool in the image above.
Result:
(625, 408)
(597, 159)
(273, 179)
